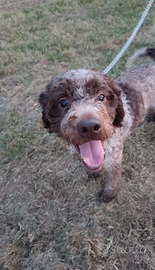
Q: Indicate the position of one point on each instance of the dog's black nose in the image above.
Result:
(89, 127)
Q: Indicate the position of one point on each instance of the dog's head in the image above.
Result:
(83, 107)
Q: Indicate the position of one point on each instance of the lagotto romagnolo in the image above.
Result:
(95, 115)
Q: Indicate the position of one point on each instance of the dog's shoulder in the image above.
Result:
(137, 86)
(138, 76)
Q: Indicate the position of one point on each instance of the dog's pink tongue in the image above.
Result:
(92, 153)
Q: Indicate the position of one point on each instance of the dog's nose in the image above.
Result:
(89, 127)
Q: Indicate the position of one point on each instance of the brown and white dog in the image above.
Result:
(95, 115)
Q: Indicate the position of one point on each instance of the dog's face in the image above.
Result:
(83, 107)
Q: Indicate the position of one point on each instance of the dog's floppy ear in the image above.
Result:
(49, 100)
(117, 92)
(120, 113)
(43, 100)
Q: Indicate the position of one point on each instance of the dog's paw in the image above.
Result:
(106, 196)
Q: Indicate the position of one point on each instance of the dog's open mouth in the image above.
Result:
(92, 154)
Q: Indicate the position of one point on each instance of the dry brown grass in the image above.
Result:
(49, 214)
(52, 220)
(7, 5)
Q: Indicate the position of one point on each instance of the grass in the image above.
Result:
(63, 31)
(12, 139)
(50, 217)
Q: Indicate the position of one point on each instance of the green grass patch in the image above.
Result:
(12, 139)
(91, 31)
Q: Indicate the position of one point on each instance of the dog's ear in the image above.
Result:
(43, 100)
(120, 113)
(52, 114)
(117, 92)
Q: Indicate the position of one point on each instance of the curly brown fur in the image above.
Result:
(135, 101)
(94, 115)
(63, 89)
(113, 96)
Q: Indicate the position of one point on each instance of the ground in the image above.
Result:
(50, 217)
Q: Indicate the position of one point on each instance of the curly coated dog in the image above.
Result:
(95, 115)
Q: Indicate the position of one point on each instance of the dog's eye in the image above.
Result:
(63, 103)
(101, 97)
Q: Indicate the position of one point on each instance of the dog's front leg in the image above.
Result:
(112, 166)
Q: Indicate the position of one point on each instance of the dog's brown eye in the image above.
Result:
(63, 103)
(101, 97)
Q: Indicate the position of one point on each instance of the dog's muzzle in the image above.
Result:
(91, 152)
